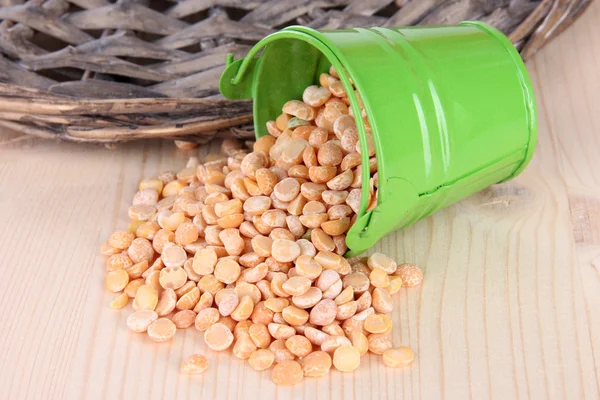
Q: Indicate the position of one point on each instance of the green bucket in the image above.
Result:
(451, 109)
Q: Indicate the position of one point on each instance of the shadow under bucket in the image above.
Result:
(451, 109)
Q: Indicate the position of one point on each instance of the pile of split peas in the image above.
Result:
(248, 247)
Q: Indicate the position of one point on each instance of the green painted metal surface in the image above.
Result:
(451, 109)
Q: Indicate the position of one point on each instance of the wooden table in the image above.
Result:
(509, 309)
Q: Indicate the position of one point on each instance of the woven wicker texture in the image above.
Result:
(102, 71)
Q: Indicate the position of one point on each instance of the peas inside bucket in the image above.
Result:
(317, 143)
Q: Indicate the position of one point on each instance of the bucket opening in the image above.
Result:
(290, 61)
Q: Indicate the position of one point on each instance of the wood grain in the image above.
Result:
(508, 309)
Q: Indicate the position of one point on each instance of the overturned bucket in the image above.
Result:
(451, 109)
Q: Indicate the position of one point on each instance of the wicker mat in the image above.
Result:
(103, 71)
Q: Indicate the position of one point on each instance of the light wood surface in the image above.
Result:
(509, 309)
